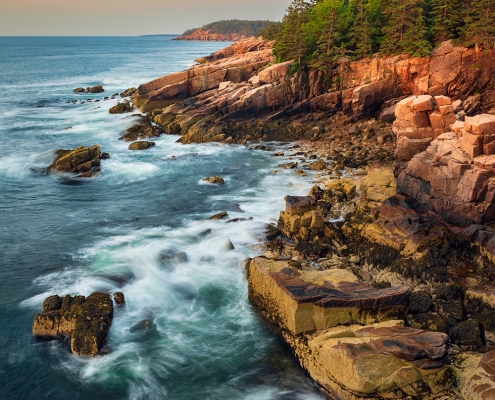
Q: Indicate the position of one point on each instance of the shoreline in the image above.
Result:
(395, 268)
(377, 264)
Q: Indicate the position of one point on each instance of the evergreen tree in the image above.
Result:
(290, 42)
(405, 30)
(361, 32)
(445, 19)
(415, 42)
(327, 30)
(479, 23)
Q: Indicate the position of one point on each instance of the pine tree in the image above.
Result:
(479, 23)
(328, 28)
(405, 30)
(361, 33)
(415, 43)
(445, 19)
(291, 43)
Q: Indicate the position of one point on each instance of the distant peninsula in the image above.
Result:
(228, 30)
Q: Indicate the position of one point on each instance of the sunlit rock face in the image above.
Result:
(446, 164)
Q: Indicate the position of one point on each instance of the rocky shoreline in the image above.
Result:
(380, 280)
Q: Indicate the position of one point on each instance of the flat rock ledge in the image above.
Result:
(349, 335)
(85, 320)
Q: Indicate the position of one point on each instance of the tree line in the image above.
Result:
(234, 26)
(319, 32)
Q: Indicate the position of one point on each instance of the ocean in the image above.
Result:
(186, 332)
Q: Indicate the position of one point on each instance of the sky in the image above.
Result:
(126, 17)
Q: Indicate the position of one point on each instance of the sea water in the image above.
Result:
(188, 330)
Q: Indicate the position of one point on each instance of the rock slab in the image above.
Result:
(86, 320)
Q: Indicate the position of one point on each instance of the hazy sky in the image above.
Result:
(126, 17)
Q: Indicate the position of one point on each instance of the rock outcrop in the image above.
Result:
(445, 164)
(169, 89)
(143, 128)
(452, 71)
(475, 375)
(141, 145)
(83, 160)
(121, 108)
(346, 333)
(215, 180)
(218, 99)
(95, 89)
(85, 320)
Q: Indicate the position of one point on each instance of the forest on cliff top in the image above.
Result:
(233, 26)
(320, 32)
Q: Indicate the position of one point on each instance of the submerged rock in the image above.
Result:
(86, 321)
(168, 258)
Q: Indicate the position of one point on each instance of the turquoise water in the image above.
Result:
(187, 332)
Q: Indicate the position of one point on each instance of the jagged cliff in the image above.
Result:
(214, 100)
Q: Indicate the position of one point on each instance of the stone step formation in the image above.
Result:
(395, 300)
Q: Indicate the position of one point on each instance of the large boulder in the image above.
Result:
(86, 320)
(141, 145)
(95, 89)
(84, 160)
(346, 334)
(475, 375)
(303, 301)
(121, 108)
(384, 360)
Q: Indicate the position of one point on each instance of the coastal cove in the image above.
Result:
(186, 333)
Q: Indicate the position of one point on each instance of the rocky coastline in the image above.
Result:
(205, 35)
(381, 279)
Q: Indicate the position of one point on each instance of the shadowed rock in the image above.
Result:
(85, 320)
(95, 89)
(121, 108)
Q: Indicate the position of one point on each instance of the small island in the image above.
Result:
(226, 30)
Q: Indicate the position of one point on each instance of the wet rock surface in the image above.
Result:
(215, 180)
(346, 333)
(141, 145)
(143, 128)
(83, 160)
(361, 230)
(85, 320)
(121, 108)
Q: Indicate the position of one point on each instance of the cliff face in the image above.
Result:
(205, 35)
(361, 87)
(215, 99)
